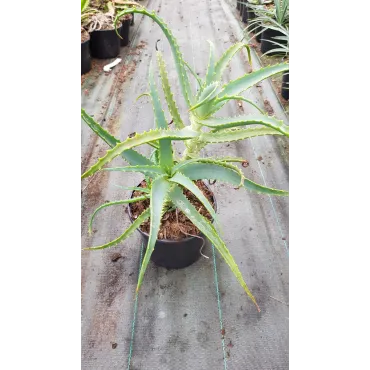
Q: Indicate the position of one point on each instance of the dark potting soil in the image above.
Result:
(175, 225)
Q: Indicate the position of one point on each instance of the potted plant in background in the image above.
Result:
(126, 20)
(86, 12)
(251, 6)
(172, 195)
(104, 43)
(280, 46)
(269, 22)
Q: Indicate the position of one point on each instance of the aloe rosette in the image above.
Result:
(168, 175)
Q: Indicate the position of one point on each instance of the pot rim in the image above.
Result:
(106, 30)
(187, 238)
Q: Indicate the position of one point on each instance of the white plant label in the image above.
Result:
(108, 67)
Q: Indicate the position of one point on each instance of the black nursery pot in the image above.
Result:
(245, 15)
(266, 44)
(250, 15)
(175, 254)
(125, 31)
(241, 9)
(105, 44)
(285, 87)
(259, 36)
(85, 57)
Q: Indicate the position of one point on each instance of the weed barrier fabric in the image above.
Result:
(178, 323)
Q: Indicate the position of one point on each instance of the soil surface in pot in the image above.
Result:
(175, 225)
(109, 26)
(102, 22)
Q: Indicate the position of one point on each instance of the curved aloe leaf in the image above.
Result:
(208, 93)
(181, 179)
(238, 97)
(165, 152)
(229, 122)
(226, 58)
(213, 171)
(245, 82)
(229, 135)
(147, 170)
(180, 200)
(177, 56)
(193, 73)
(114, 203)
(211, 64)
(130, 155)
(159, 190)
(144, 216)
(172, 107)
(224, 164)
(140, 139)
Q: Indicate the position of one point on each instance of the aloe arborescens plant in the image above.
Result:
(168, 176)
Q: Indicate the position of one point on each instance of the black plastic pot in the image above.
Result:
(285, 86)
(250, 15)
(174, 254)
(125, 31)
(241, 10)
(85, 57)
(258, 36)
(105, 44)
(245, 15)
(266, 44)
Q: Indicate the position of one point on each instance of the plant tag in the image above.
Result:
(108, 67)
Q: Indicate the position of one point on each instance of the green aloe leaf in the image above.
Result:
(114, 203)
(130, 155)
(245, 82)
(245, 120)
(208, 93)
(230, 135)
(226, 58)
(172, 107)
(84, 5)
(165, 146)
(181, 179)
(225, 164)
(211, 64)
(236, 97)
(140, 139)
(191, 70)
(146, 170)
(144, 216)
(180, 200)
(159, 192)
(217, 171)
(177, 56)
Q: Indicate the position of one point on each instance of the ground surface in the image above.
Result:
(178, 319)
